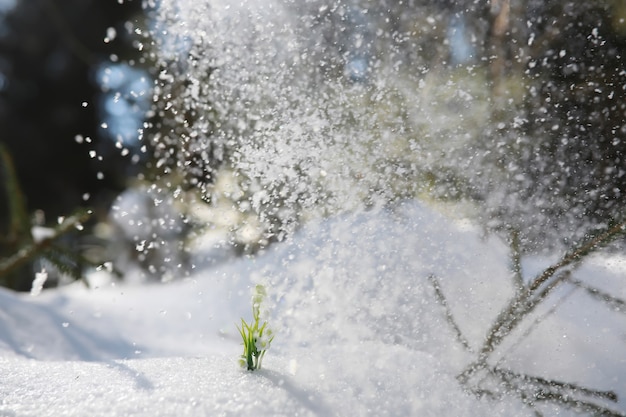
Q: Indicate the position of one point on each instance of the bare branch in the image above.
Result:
(449, 316)
(578, 253)
(525, 301)
(535, 323)
(516, 261)
(580, 405)
(616, 303)
(533, 390)
(543, 383)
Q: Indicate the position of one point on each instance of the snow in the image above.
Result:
(358, 331)
(359, 328)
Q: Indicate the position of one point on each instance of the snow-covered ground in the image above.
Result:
(358, 330)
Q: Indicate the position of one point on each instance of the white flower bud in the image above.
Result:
(262, 343)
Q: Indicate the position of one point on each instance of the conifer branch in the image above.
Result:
(44, 246)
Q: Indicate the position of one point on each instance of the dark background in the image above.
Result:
(51, 107)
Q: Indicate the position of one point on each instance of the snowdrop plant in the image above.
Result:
(256, 337)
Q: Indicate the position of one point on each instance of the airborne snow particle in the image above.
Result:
(111, 34)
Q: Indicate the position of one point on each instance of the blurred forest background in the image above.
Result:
(531, 97)
(57, 157)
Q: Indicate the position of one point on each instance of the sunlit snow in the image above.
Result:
(317, 150)
(358, 330)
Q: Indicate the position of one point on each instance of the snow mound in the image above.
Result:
(358, 330)
(213, 386)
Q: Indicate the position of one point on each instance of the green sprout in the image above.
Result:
(256, 337)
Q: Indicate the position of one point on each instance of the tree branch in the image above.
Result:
(449, 316)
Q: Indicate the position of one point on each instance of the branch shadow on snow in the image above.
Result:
(37, 332)
(307, 399)
(141, 381)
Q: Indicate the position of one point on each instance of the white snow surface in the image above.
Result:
(358, 332)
